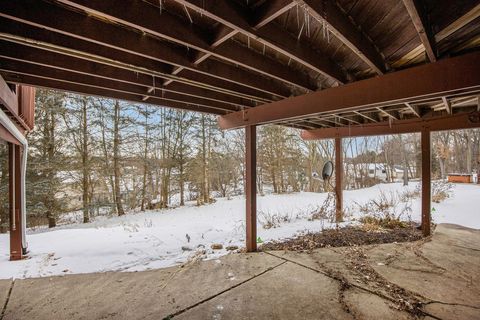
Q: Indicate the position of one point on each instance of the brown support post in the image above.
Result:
(338, 179)
(15, 199)
(426, 181)
(251, 186)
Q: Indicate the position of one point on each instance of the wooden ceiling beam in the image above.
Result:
(459, 75)
(68, 46)
(332, 119)
(18, 52)
(390, 113)
(269, 11)
(269, 35)
(447, 104)
(222, 34)
(347, 32)
(102, 92)
(372, 118)
(458, 24)
(349, 119)
(418, 15)
(414, 109)
(452, 122)
(8, 98)
(63, 25)
(140, 16)
(32, 74)
(155, 97)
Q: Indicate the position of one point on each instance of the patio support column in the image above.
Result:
(426, 181)
(251, 186)
(338, 179)
(15, 201)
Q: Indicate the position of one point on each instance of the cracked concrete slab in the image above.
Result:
(331, 261)
(435, 270)
(286, 292)
(441, 269)
(436, 277)
(138, 295)
(365, 305)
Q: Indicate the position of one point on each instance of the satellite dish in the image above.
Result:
(327, 170)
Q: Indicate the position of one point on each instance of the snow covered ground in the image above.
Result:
(142, 241)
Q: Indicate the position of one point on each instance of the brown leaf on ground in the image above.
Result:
(343, 237)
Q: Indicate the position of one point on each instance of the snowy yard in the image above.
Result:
(142, 241)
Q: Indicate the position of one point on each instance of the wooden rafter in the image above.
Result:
(92, 90)
(418, 15)
(270, 10)
(372, 118)
(96, 32)
(348, 119)
(7, 98)
(414, 109)
(223, 34)
(447, 104)
(15, 57)
(269, 35)
(136, 54)
(141, 17)
(458, 24)
(345, 30)
(451, 122)
(393, 114)
(36, 72)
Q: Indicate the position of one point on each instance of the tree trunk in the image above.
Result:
(86, 214)
(405, 161)
(181, 183)
(145, 163)
(469, 153)
(50, 123)
(205, 196)
(116, 164)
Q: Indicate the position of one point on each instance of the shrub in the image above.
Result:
(441, 190)
(326, 211)
(270, 220)
(383, 212)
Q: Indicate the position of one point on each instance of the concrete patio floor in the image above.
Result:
(440, 275)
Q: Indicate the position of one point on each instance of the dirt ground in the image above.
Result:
(433, 278)
(343, 237)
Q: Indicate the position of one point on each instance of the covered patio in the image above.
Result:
(333, 69)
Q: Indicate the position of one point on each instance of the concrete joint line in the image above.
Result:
(6, 300)
(452, 304)
(463, 247)
(171, 316)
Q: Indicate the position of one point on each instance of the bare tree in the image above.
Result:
(116, 158)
